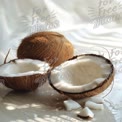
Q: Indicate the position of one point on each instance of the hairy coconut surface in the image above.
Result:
(46, 46)
(24, 74)
(82, 76)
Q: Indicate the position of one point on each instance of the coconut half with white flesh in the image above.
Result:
(82, 76)
(24, 74)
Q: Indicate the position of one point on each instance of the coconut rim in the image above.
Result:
(23, 74)
(100, 85)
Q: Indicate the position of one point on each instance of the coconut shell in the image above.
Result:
(51, 47)
(100, 88)
(24, 83)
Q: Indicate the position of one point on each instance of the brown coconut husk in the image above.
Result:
(51, 47)
(22, 83)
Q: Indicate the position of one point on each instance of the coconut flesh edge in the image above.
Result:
(23, 67)
(81, 74)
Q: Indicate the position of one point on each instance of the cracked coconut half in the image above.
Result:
(82, 76)
(24, 74)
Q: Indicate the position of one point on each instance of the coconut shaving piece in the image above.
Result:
(98, 100)
(71, 105)
(23, 67)
(86, 113)
(94, 106)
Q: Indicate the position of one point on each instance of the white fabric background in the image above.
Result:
(71, 14)
(75, 23)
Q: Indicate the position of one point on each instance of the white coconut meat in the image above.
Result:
(94, 106)
(80, 74)
(97, 99)
(23, 67)
(86, 113)
(71, 105)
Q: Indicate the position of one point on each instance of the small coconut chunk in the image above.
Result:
(86, 113)
(98, 100)
(94, 106)
(71, 105)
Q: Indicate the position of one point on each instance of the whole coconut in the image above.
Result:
(51, 47)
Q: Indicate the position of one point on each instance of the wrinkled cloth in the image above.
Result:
(20, 18)
(93, 26)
